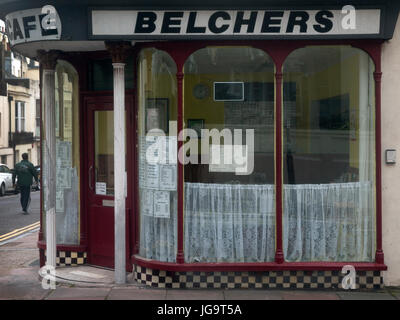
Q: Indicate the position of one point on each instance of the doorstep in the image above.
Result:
(87, 276)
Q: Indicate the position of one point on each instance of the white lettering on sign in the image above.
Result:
(131, 23)
(38, 24)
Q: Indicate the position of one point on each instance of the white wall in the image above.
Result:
(391, 173)
(16, 66)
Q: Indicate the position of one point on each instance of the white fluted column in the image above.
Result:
(119, 172)
(119, 51)
(48, 61)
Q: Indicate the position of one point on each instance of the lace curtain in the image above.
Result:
(229, 223)
(158, 236)
(236, 223)
(331, 222)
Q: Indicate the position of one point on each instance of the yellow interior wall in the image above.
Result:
(334, 81)
(161, 87)
(105, 133)
(211, 111)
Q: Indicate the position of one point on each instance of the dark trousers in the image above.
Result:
(25, 197)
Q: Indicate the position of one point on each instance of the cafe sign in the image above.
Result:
(32, 25)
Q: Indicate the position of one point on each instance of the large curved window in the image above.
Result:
(157, 107)
(229, 165)
(329, 155)
(67, 153)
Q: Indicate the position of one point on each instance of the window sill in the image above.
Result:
(256, 267)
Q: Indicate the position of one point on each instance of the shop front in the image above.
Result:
(211, 148)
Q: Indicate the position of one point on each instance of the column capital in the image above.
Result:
(48, 59)
(119, 51)
(378, 76)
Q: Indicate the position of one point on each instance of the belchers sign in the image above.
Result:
(134, 24)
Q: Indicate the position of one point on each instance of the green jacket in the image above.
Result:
(25, 171)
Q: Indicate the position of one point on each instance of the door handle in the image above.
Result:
(90, 178)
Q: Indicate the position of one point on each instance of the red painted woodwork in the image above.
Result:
(100, 219)
(278, 50)
(42, 258)
(379, 256)
(272, 266)
(279, 258)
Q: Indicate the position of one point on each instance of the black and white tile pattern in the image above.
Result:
(254, 280)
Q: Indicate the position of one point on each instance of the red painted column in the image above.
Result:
(42, 258)
(279, 258)
(180, 258)
(379, 257)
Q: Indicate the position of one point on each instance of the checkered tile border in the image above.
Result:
(70, 259)
(254, 280)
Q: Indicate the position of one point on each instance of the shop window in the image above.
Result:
(157, 111)
(229, 202)
(329, 156)
(67, 154)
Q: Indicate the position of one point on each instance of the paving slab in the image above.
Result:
(195, 294)
(136, 293)
(248, 294)
(309, 295)
(19, 253)
(395, 292)
(85, 276)
(365, 296)
(64, 293)
(22, 292)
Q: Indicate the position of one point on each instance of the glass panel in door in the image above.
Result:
(104, 152)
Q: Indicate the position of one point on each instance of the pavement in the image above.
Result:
(20, 280)
(11, 216)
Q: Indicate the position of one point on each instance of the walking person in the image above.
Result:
(25, 171)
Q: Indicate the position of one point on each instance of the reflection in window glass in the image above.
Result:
(329, 153)
(67, 152)
(229, 214)
(104, 149)
(157, 104)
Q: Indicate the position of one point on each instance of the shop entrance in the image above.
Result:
(99, 138)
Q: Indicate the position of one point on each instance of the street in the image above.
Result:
(11, 217)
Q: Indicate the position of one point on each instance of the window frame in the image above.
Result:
(20, 119)
(278, 50)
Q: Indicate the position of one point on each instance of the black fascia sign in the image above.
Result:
(174, 22)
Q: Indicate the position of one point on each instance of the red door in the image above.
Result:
(99, 138)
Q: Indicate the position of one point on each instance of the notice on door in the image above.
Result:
(101, 188)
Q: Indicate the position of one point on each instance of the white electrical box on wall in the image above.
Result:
(390, 156)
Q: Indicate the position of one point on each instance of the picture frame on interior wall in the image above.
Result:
(197, 125)
(157, 114)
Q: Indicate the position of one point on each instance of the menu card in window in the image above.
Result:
(162, 204)
(168, 177)
(147, 205)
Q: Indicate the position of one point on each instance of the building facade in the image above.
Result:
(20, 107)
(199, 146)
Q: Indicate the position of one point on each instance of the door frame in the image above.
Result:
(102, 98)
